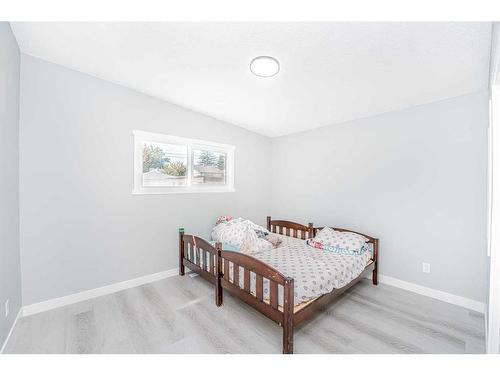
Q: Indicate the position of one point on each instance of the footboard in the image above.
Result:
(245, 277)
(198, 255)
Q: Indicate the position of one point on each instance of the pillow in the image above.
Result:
(348, 241)
(337, 250)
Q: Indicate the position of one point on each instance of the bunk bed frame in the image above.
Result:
(214, 264)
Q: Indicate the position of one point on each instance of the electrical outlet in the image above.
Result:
(7, 308)
(426, 267)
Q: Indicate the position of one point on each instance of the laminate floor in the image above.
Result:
(178, 315)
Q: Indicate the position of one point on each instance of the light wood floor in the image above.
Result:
(178, 315)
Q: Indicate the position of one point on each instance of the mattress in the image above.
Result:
(315, 271)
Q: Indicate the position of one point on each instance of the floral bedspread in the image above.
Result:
(315, 271)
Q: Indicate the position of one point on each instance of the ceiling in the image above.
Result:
(329, 72)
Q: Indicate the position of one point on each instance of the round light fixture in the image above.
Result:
(264, 66)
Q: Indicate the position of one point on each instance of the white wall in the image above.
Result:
(493, 312)
(10, 270)
(81, 227)
(493, 300)
(416, 178)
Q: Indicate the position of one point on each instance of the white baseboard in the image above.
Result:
(4, 345)
(113, 288)
(433, 293)
(98, 292)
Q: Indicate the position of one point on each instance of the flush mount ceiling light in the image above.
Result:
(264, 66)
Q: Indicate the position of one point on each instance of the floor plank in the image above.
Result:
(178, 315)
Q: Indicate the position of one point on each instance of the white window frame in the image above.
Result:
(141, 136)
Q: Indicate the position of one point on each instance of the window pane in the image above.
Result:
(164, 164)
(209, 167)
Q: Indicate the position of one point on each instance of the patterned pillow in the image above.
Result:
(348, 241)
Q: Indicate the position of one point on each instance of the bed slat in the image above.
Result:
(273, 290)
(246, 280)
(226, 269)
(236, 274)
(206, 264)
(259, 287)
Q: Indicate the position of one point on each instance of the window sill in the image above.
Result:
(157, 191)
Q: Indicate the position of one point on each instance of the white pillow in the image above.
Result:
(340, 240)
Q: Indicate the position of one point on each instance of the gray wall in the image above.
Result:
(81, 226)
(10, 269)
(414, 178)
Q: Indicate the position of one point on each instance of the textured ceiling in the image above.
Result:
(330, 72)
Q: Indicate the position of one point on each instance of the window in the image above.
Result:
(209, 167)
(166, 164)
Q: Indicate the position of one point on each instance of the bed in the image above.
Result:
(271, 282)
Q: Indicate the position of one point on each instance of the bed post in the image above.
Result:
(218, 275)
(181, 252)
(269, 223)
(288, 306)
(375, 258)
(311, 230)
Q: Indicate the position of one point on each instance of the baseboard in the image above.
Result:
(113, 288)
(98, 292)
(19, 314)
(433, 293)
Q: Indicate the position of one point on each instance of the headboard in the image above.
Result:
(290, 228)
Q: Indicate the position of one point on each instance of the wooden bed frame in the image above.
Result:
(213, 264)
